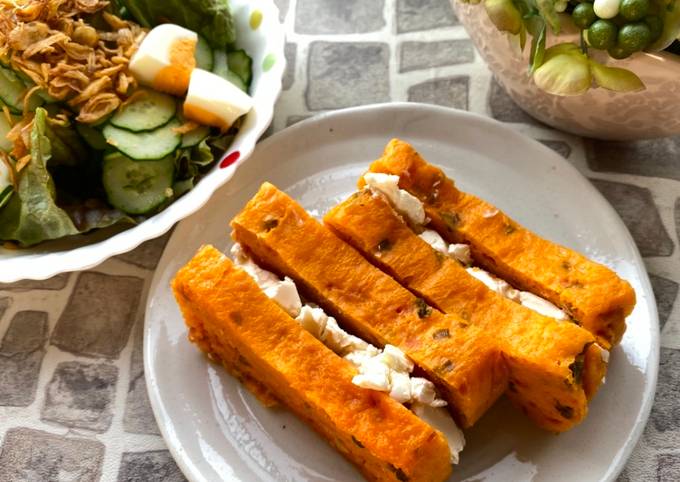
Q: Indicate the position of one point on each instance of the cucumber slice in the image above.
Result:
(204, 54)
(236, 80)
(145, 146)
(195, 137)
(241, 65)
(12, 91)
(5, 127)
(221, 68)
(220, 65)
(137, 187)
(146, 112)
(94, 137)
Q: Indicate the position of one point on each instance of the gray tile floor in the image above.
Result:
(73, 403)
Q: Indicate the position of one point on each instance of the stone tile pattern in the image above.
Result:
(449, 92)
(154, 466)
(414, 15)
(424, 55)
(4, 304)
(283, 8)
(76, 374)
(80, 395)
(35, 455)
(636, 207)
(318, 17)
(503, 108)
(677, 217)
(138, 416)
(96, 325)
(666, 411)
(562, 148)
(55, 283)
(21, 354)
(347, 74)
(665, 292)
(290, 51)
(148, 254)
(656, 158)
(669, 467)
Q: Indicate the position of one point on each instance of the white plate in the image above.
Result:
(216, 429)
(265, 45)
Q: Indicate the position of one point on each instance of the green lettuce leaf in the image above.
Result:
(87, 218)
(67, 147)
(32, 215)
(210, 18)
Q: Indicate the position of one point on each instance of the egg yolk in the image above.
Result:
(174, 79)
(202, 116)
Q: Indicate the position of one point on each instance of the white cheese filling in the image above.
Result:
(386, 370)
(461, 252)
(412, 208)
(403, 201)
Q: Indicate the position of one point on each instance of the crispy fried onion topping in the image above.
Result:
(55, 44)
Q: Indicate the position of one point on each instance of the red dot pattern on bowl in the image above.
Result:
(230, 159)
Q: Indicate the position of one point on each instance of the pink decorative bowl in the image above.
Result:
(653, 112)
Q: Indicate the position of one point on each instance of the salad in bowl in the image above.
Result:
(114, 113)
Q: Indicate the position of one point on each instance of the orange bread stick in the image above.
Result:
(546, 357)
(589, 292)
(385, 440)
(466, 367)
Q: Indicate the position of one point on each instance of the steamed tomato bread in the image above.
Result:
(165, 59)
(215, 101)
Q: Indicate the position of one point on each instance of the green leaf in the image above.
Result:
(32, 216)
(537, 49)
(534, 24)
(616, 79)
(210, 18)
(563, 48)
(5, 195)
(96, 217)
(67, 147)
(504, 15)
(670, 16)
(564, 74)
(522, 38)
(549, 14)
(201, 154)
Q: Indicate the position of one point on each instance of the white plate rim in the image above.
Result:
(644, 412)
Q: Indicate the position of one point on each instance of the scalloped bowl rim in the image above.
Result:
(40, 266)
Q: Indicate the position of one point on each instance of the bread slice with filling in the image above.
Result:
(592, 294)
(223, 305)
(466, 366)
(552, 372)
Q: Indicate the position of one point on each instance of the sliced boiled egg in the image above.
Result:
(214, 101)
(165, 59)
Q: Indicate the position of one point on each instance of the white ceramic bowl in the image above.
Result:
(265, 44)
(599, 113)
